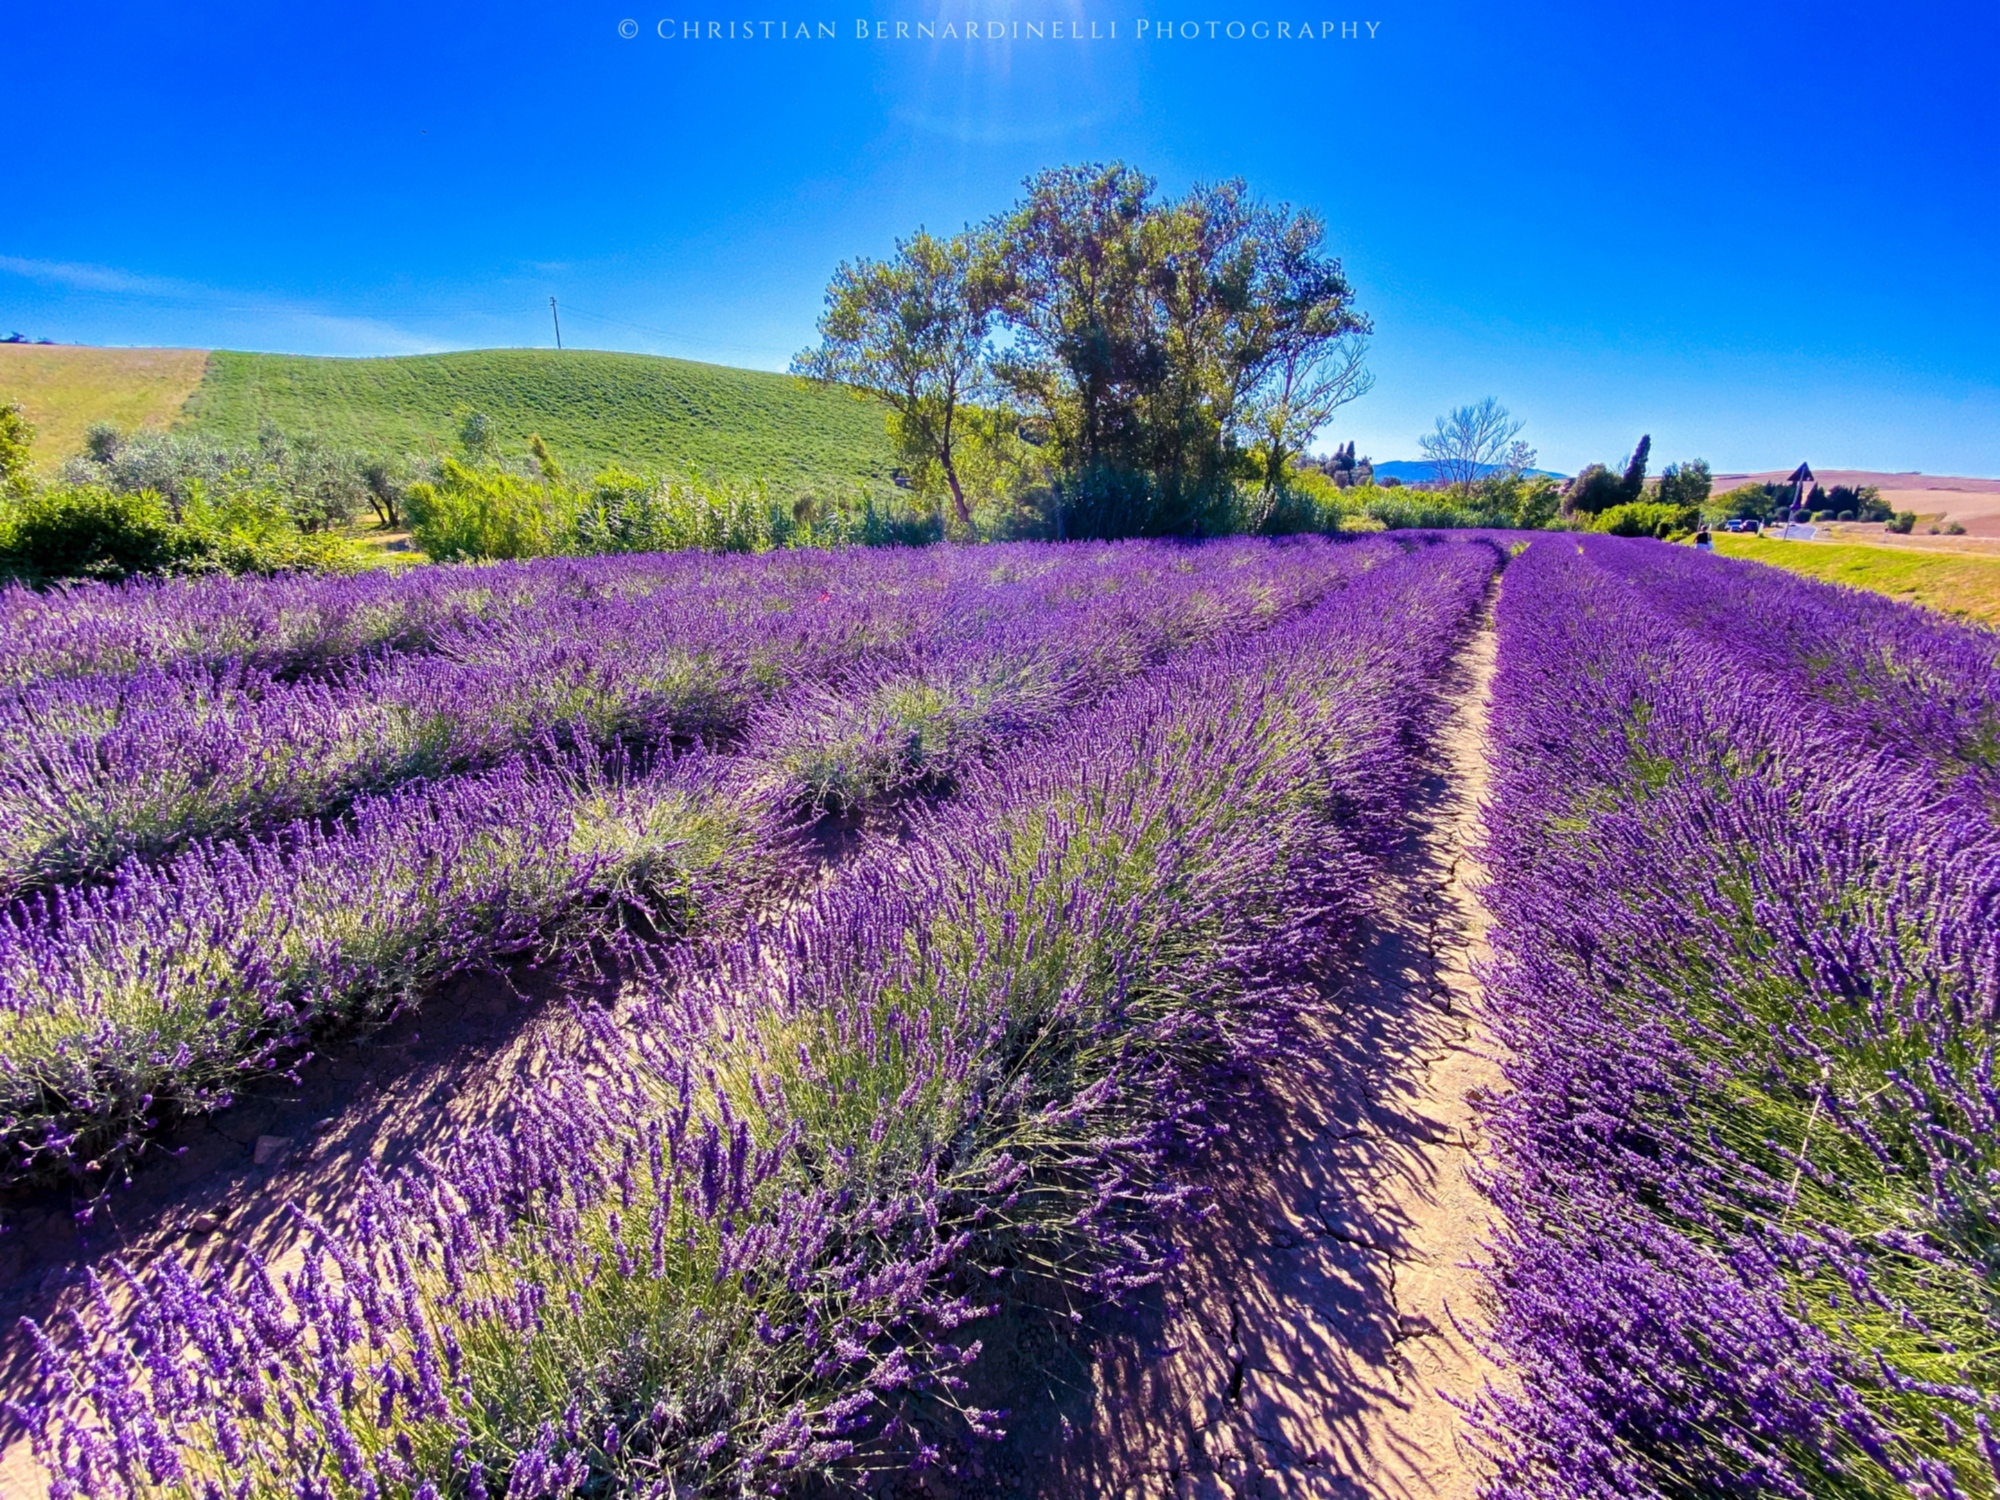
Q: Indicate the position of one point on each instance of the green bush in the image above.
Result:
(16, 438)
(93, 533)
(480, 513)
(89, 532)
(1309, 501)
(1860, 504)
(1903, 522)
(1648, 518)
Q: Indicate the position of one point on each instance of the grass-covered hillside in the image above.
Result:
(594, 408)
(64, 388)
(1959, 584)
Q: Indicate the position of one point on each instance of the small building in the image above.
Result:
(1801, 481)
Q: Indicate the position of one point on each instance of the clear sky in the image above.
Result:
(1763, 232)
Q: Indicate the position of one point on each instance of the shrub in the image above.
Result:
(100, 442)
(470, 514)
(93, 533)
(1903, 522)
(16, 437)
(1866, 502)
(67, 532)
(477, 513)
(1647, 518)
(1312, 501)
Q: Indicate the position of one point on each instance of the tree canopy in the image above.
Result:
(1468, 443)
(1154, 353)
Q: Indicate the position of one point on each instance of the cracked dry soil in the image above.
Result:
(1326, 1315)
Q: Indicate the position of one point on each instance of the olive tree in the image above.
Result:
(912, 330)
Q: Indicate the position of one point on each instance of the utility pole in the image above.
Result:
(558, 321)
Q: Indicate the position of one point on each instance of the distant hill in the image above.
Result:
(1935, 498)
(1419, 471)
(594, 408)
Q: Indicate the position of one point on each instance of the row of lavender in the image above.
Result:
(293, 626)
(752, 1237)
(162, 989)
(100, 766)
(1746, 883)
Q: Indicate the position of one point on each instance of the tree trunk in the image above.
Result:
(957, 494)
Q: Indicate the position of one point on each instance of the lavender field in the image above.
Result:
(940, 923)
(1746, 888)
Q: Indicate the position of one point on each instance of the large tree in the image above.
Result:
(1086, 348)
(1157, 352)
(913, 330)
(1157, 341)
(1469, 443)
(1264, 342)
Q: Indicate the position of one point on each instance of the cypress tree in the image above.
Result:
(1634, 486)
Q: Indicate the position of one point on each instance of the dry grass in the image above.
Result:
(64, 388)
(1959, 584)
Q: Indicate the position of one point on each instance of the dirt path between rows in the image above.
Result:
(1314, 1340)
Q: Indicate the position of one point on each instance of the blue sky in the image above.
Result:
(1760, 232)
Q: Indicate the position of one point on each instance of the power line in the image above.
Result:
(558, 320)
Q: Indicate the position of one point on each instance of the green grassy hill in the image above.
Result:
(645, 413)
(594, 409)
(64, 388)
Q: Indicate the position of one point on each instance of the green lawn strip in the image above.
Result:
(1954, 583)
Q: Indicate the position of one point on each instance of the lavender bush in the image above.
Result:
(1897, 677)
(303, 623)
(93, 769)
(750, 1240)
(99, 768)
(160, 993)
